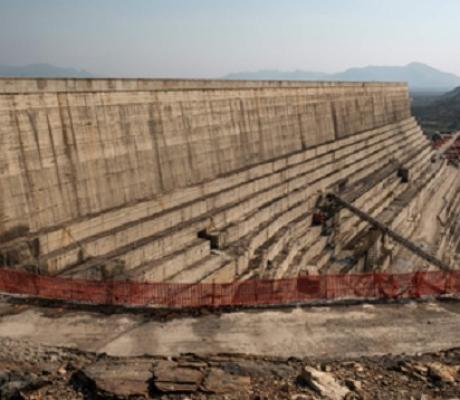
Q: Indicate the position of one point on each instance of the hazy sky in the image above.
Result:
(210, 38)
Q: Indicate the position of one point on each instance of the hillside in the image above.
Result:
(452, 96)
(441, 115)
(419, 76)
(42, 71)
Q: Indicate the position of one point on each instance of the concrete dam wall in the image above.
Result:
(189, 181)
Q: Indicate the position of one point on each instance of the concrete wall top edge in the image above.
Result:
(50, 85)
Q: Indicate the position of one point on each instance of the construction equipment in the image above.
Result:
(324, 215)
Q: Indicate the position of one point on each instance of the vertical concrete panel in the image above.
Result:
(73, 148)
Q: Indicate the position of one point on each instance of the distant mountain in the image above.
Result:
(279, 75)
(420, 77)
(42, 71)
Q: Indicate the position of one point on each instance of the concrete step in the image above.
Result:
(281, 261)
(226, 273)
(305, 242)
(322, 261)
(164, 268)
(203, 270)
(307, 255)
(138, 253)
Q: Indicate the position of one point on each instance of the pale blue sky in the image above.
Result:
(210, 38)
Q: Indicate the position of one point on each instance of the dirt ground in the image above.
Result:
(320, 331)
(29, 371)
(400, 350)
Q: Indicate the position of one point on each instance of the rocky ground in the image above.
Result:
(36, 372)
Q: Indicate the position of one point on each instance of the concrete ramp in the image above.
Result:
(317, 332)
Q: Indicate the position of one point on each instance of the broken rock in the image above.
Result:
(169, 376)
(353, 385)
(12, 384)
(300, 397)
(121, 378)
(219, 381)
(324, 384)
(442, 372)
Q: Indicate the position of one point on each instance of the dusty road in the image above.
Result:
(335, 332)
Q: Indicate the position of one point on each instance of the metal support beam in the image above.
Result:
(411, 246)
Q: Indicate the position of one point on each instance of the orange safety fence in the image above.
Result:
(245, 293)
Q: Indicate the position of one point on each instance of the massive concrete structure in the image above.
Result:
(201, 181)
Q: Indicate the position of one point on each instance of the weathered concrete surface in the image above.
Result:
(72, 148)
(436, 211)
(129, 179)
(333, 332)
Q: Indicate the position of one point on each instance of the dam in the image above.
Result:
(190, 181)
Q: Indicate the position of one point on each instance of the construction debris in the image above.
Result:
(324, 384)
(70, 375)
(118, 378)
(170, 377)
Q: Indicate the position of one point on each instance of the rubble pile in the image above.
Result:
(33, 372)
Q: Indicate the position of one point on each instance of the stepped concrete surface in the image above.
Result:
(215, 181)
